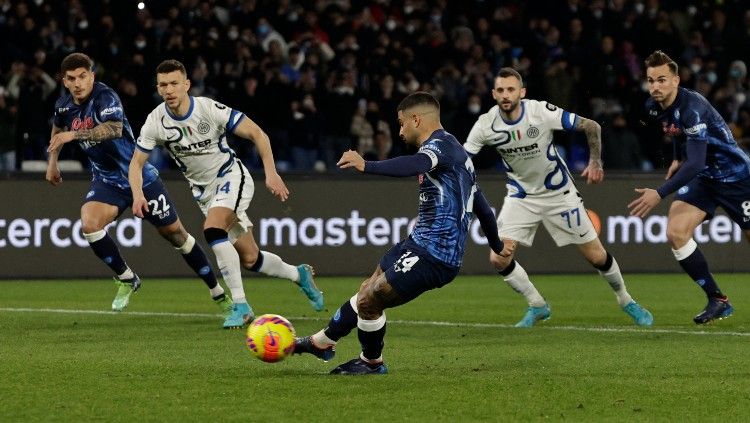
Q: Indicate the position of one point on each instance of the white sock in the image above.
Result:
(519, 280)
(127, 274)
(274, 266)
(216, 291)
(229, 266)
(186, 247)
(321, 340)
(616, 281)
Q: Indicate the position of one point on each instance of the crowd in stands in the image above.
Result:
(323, 76)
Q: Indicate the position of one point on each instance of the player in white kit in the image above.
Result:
(541, 190)
(193, 130)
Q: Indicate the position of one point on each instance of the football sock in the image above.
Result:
(371, 334)
(105, 248)
(217, 292)
(610, 271)
(694, 264)
(272, 265)
(342, 322)
(197, 260)
(228, 261)
(518, 279)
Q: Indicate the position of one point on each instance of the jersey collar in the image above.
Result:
(523, 111)
(187, 115)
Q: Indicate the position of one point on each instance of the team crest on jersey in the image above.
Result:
(532, 132)
(677, 114)
(683, 190)
(79, 124)
(203, 128)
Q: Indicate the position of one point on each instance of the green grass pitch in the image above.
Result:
(453, 355)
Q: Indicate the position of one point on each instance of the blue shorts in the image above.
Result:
(733, 197)
(162, 211)
(411, 270)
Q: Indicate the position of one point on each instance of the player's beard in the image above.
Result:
(513, 106)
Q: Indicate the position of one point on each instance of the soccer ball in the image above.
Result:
(270, 338)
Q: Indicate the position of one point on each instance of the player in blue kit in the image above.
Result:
(430, 257)
(92, 114)
(709, 170)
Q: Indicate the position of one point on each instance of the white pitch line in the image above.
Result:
(400, 322)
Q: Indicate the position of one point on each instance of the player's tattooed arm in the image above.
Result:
(594, 172)
(102, 132)
(593, 133)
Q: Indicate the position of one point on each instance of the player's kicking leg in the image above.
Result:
(682, 221)
(217, 220)
(517, 278)
(608, 268)
(95, 216)
(252, 258)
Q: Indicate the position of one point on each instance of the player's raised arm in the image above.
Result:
(487, 221)
(135, 177)
(398, 166)
(594, 172)
(248, 129)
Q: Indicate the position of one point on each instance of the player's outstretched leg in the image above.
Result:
(272, 265)
(518, 279)
(694, 264)
(610, 271)
(323, 343)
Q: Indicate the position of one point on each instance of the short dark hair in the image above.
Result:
(74, 61)
(171, 65)
(417, 99)
(509, 72)
(659, 58)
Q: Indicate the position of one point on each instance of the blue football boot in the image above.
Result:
(716, 309)
(358, 366)
(307, 286)
(241, 315)
(533, 315)
(640, 315)
(306, 345)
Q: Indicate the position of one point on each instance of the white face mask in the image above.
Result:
(390, 24)
(83, 24)
(233, 35)
(140, 44)
(695, 67)
(474, 108)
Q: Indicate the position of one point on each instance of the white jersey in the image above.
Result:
(197, 141)
(527, 153)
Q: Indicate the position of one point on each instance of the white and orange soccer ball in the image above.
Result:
(270, 338)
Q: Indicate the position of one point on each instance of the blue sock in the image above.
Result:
(197, 261)
(372, 342)
(107, 251)
(342, 322)
(696, 267)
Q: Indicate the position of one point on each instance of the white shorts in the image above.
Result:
(564, 217)
(234, 191)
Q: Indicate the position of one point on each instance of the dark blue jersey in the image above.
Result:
(691, 119)
(446, 198)
(110, 158)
